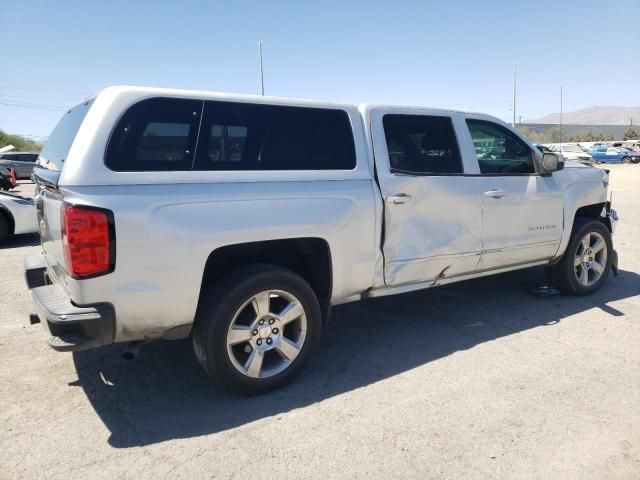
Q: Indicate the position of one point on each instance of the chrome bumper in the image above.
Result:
(72, 328)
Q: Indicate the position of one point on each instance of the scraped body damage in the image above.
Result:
(437, 234)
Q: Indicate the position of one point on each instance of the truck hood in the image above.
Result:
(587, 172)
(575, 164)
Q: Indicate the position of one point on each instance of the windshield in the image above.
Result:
(57, 146)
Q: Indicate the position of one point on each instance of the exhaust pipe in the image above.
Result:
(132, 349)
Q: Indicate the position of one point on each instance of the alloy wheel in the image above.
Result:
(590, 259)
(267, 334)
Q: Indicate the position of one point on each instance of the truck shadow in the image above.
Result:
(163, 394)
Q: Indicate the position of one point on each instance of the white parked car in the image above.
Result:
(17, 215)
(21, 162)
(574, 152)
(239, 220)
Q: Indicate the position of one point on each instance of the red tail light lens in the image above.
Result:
(88, 243)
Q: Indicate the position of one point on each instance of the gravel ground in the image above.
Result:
(475, 380)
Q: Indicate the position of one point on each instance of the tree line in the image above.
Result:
(22, 144)
(558, 134)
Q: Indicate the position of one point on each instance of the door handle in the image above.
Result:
(495, 193)
(398, 198)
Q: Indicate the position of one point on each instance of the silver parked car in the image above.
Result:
(21, 162)
(573, 152)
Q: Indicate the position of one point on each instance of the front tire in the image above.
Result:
(626, 159)
(257, 328)
(587, 260)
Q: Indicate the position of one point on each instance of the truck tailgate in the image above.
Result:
(48, 210)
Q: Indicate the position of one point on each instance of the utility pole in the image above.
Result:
(261, 69)
(561, 117)
(515, 66)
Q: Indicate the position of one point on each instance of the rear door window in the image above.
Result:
(158, 134)
(422, 144)
(243, 136)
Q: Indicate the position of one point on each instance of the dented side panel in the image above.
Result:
(436, 233)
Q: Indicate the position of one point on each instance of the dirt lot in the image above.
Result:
(476, 380)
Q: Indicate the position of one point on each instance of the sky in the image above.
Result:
(452, 54)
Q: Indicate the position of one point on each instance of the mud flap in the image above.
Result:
(614, 263)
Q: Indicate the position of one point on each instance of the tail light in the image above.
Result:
(88, 241)
(14, 180)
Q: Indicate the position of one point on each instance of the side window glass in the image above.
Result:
(242, 136)
(422, 144)
(155, 135)
(498, 150)
(164, 142)
(226, 143)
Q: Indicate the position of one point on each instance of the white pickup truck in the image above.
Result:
(239, 220)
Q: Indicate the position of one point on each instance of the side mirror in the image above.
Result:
(552, 162)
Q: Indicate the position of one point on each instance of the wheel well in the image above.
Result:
(594, 212)
(7, 214)
(590, 211)
(308, 257)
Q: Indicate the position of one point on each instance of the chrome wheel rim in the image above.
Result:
(266, 334)
(590, 259)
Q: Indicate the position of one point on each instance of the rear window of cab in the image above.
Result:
(57, 146)
(170, 134)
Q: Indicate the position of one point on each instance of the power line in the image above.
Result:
(29, 97)
(36, 106)
(43, 90)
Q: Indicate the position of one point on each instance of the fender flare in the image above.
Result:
(577, 196)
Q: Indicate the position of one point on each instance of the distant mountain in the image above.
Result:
(595, 116)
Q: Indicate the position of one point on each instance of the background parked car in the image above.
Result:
(604, 154)
(635, 154)
(7, 179)
(573, 152)
(633, 151)
(17, 215)
(22, 162)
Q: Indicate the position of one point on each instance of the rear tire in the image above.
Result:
(587, 260)
(257, 328)
(5, 228)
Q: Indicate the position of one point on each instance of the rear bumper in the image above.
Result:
(72, 328)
